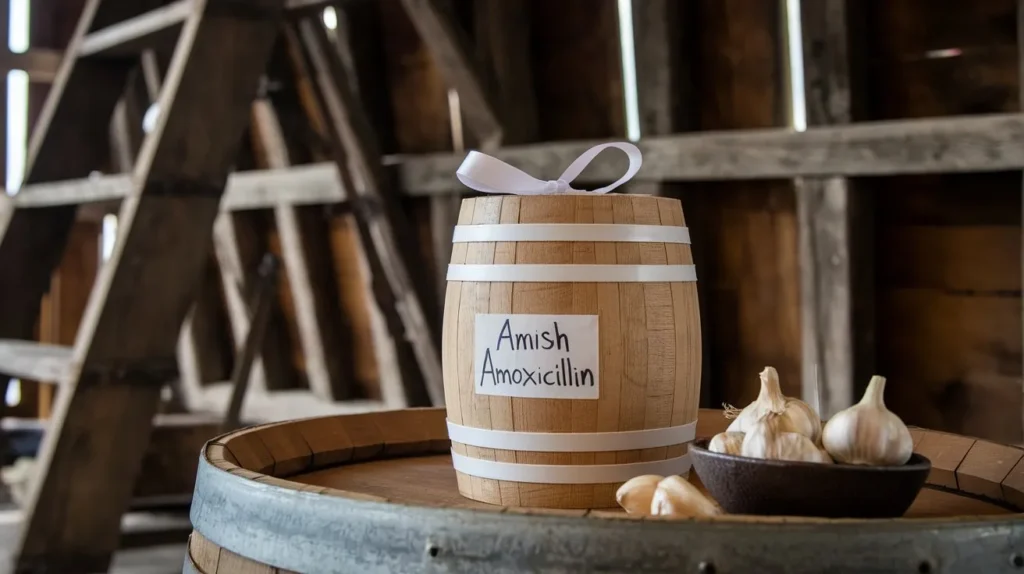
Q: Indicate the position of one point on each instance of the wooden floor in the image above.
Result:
(163, 553)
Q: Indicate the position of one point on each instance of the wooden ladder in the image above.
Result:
(124, 351)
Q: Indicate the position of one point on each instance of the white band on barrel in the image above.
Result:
(567, 474)
(601, 232)
(572, 442)
(573, 273)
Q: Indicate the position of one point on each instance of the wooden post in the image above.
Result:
(828, 232)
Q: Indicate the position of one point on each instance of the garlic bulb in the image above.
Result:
(727, 443)
(675, 496)
(636, 493)
(868, 433)
(767, 440)
(794, 414)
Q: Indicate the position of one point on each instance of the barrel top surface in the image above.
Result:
(385, 480)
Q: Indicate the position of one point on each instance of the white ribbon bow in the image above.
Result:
(491, 175)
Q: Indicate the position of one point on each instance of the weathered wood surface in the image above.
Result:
(664, 87)
(34, 361)
(830, 233)
(358, 466)
(342, 255)
(382, 230)
(64, 305)
(948, 247)
(454, 57)
(961, 144)
(981, 143)
(144, 291)
(744, 232)
(130, 37)
(325, 344)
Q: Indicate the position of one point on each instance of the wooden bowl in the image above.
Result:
(745, 485)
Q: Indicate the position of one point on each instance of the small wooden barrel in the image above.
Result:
(377, 493)
(571, 349)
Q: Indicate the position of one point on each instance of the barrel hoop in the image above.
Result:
(566, 473)
(599, 232)
(572, 442)
(567, 273)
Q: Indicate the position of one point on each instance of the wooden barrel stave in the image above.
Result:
(353, 503)
(650, 377)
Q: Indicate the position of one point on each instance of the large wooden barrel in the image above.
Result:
(377, 493)
(571, 349)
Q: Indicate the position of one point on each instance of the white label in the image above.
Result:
(536, 356)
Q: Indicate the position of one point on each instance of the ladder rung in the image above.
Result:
(131, 36)
(34, 361)
(259, 189)
(74, 191)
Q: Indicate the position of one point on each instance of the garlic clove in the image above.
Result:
(727, 443)
(796, 415)
(676, 497)
(636, 493)
(868, 433)
(768, 441)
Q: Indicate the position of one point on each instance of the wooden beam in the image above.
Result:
(324, 346)
(933, 145)
(980, 143)
(454, 58)
(261, 406)
(34, 361)
(198, 352)
(382, 232)
(238, 251)
(830, 235)
(87, 465)
(262, 303)
(130, 37)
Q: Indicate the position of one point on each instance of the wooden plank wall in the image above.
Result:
(744, 233)
(947, 258)
(948, 281)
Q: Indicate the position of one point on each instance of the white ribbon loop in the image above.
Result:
(488, 174)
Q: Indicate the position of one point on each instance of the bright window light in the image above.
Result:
(17, 97)
(796, 65)
(17, 26)
(13, 396)
(108, 235)
(629, 69)
(330, 18)
(17, 128)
